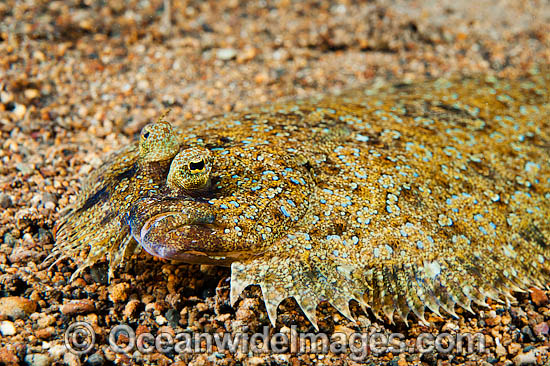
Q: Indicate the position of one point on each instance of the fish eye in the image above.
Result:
(190, 170)
(196, 165)
(157, 142)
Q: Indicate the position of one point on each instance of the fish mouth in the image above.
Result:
(200, 257)
(195, 241)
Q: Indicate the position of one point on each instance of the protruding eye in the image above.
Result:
(196, 167)
(158, 142)
(190, 170)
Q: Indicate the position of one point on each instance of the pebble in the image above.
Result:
(74, 307)
(341, 329)
(9, 240)
(57, 351)
(15, 307)
(119, 292)
(8, 357)
(5, 97)
(173, 317)
(110, 355)
(539, 297)
(5, 201)
(256, 361)
(25, 169)
(20, 254)
(38, 359)
(541, 329)
(99, 274)
(527, 333)
(95, 360)
(245, 315)
(201, 306)
(131, 308)
(150, 307)
(500, 350)
(203, 360)
(528, 348)
(45, 333)
(160, 320)
(45, 236)
(514, 348)
(226, 54)
(247, 54)
(525, 359)
(45, 320)
(71, 359)
(450, 327)
(506, 319)
(7, 328)
(19, 111)
(493, 321)
(39, 56)
(31, 93)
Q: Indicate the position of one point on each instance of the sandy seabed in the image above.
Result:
(79, 79)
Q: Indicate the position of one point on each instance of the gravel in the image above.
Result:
(7, 328)
(78, 79)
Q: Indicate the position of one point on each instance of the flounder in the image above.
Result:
(401, 197)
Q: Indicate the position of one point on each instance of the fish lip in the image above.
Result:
(195, 249)
(198, 241)
(197, 252)
(153, 221)
(215, 258)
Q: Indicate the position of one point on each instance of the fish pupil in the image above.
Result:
(196, 166)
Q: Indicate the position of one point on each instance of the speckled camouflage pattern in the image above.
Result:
(98, 219)
(399, 197)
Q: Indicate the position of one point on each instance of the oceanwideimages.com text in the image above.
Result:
(80, 339)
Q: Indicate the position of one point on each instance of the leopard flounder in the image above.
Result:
(401, 197)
